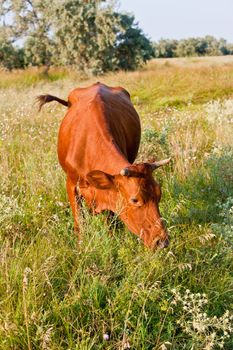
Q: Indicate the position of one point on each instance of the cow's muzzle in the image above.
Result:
(157, 243)
(162, 243)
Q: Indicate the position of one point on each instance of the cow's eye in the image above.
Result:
(134, 200)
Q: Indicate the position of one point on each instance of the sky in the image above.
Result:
(177, 19)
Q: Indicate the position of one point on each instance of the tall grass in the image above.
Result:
(29, 77)
(111, 292)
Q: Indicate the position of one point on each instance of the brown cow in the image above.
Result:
(97, 144)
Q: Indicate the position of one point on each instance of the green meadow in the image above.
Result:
(110, 292)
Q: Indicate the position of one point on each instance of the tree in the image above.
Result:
(133, 48)
(223, 47)
(85, 35)
(10, 56)
(89, 35)
(201, 46)
(98, 39)
(165, 48)
(32, 25)
(186, 47)
(207, 46)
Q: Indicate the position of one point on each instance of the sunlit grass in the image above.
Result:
(31, 76)
(111, 292)
(162, 83)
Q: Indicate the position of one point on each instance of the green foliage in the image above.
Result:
(165, 48)
(85, 36)
(37, 52)
(89, 35)
(7, 54)
(10, 56)
(96, 39)
(132, 47)
(206, 46)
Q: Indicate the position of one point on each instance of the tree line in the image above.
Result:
(207, 46)
(90, 35)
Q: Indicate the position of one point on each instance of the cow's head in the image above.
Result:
(135, 196)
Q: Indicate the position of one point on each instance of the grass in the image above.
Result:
(30, 77)
(111, 292)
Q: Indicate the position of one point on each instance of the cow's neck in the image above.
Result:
(111, 151)
(110, 158)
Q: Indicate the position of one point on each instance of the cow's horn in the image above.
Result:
(125, 172)
(159, 163)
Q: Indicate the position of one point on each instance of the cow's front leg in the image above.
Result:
(72, 194)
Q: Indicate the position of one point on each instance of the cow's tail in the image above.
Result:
(42, 99)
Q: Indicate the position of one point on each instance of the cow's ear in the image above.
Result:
(100, 180)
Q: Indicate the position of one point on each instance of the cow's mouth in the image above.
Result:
(163, 243)
(157, 243)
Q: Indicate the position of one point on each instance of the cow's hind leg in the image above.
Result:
(72, 194)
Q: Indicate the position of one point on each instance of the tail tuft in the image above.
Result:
(42, 99)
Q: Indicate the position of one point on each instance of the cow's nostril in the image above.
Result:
(163, 244)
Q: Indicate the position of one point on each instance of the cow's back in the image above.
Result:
(101, 130)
